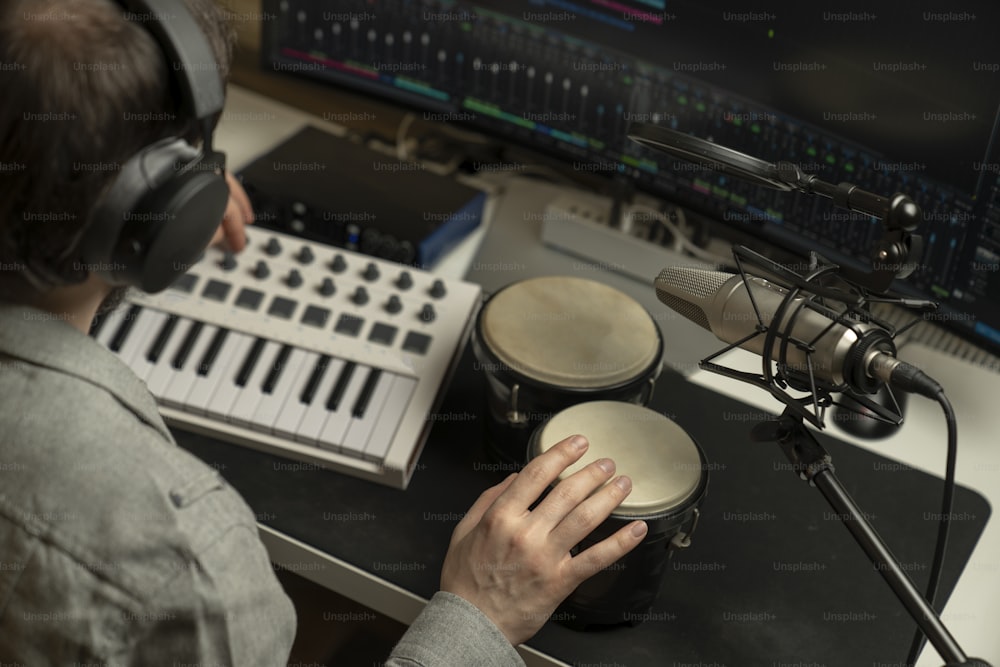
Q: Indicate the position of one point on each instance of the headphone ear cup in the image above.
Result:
(156, 218)
(170, 228)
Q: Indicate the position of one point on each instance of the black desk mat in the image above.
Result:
(772, 577)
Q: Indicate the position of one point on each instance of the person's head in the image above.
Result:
(85, 88)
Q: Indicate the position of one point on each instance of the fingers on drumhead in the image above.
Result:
(590, 511)
(542, 471)
(608, 551)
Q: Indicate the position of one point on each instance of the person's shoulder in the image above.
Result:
(90, 478)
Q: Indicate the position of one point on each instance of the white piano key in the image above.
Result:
(360, 428)
(134, 351)
(290, 411)
(315, 416)
(205, 386)
(160, 377)
(110, 326)
(270, 404)
(182, 381)
(227, 391)
(392, 414)
(335, 428)
(250, 394)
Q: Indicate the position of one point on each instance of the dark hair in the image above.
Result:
(85, 89)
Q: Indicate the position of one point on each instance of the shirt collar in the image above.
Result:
(42, 338)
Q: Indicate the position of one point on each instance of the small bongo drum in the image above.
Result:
(669, 482)
(551, 342)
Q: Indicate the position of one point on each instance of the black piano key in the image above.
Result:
(278, 366)
(319, 370)
(361, 404)
(249, 362)
(156, 349)
(125, 328)
(212, 352)
(184, 351)
(95, 326)
(346, 372)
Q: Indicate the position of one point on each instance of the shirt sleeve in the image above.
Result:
(451, 632)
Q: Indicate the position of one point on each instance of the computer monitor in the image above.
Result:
(898, 98)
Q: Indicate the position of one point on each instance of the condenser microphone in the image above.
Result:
(841, 351)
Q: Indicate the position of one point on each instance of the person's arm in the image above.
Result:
(451, 632)
(509, 566)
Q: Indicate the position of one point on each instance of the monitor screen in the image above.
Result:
(892, 99)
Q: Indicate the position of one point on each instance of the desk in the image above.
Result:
(398, 587)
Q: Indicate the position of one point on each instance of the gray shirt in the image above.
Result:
(118, 547)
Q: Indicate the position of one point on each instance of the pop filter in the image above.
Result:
(709, 155)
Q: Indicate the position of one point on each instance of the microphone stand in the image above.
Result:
(813, 464)
(895, 255)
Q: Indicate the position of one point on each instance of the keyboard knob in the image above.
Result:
(438, 289)
(407, 253)
(273, 247)
(427, 313)
(261, 271)
(228, 262)
(371, 242)
(305, 255)
(339, 264)
(327, 287)
(294, 278)
(394, 305)
(360, 296)
(404, 281)
(371, 272)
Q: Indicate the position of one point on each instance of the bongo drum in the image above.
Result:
(548, 343)
(669, 482)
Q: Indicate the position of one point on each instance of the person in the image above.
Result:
(118, 547)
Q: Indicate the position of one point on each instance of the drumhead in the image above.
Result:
(662, 460)
(570, 332)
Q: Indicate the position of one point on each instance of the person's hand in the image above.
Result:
(239, 214)
(513, 563)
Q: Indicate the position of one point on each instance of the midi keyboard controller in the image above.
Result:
(308, 351)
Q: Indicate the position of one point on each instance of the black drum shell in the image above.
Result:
(624, 592)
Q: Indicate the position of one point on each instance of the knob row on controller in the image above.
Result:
(338, 264)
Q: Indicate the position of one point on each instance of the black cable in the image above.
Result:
(945, 521)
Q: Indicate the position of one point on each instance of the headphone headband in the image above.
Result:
(189, 55)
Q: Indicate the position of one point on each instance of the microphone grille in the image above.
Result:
(695, 284)
(702, 283)
(684, 308)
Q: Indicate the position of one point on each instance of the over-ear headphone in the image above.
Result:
(168, 199)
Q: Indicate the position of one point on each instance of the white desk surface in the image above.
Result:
(253, 124)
